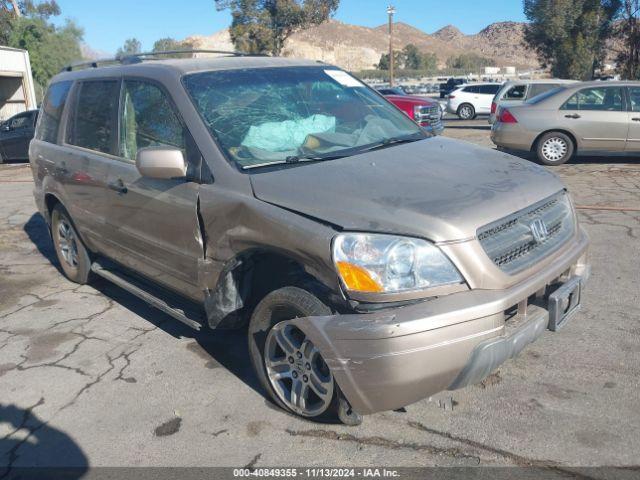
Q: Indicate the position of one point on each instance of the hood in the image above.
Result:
(412, 99)
(439, 189)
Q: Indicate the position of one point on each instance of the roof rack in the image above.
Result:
(140, 57)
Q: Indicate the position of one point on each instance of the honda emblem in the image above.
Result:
(538, 230)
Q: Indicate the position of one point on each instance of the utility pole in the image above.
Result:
(16, 8)
(390, 11)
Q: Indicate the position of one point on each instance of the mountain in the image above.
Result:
(354, 47)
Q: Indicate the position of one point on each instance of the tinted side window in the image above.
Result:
(52, 108)
(489, 89)
(538, 88)
(597, 98)
(516, 92)
(148, 120)
(472, 89)
(21, 121)
(93, 124)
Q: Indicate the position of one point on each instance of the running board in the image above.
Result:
(127, 283)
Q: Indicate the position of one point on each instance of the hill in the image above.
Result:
(355, 47)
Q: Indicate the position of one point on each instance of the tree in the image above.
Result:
(131, 47)
(11, 10)
(469, 62)
(263, 26)
(398, 60)
(627, 32)
(171, 44)
(412, 57)
(50, 48)
(569, 35)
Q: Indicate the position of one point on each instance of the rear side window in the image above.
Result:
(148, 120)
(603, 99)
(472, 89)
(52, 108)
(538, 88)
(93, 124)
(489, 89)
(515, 93)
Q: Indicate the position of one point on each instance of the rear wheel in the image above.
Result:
(288, 364)
(466, 111)
(554, 148)
(71, 252)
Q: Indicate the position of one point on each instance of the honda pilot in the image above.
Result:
(370, 263)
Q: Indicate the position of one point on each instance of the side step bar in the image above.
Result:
(123, 281)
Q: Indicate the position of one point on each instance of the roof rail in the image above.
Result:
(140, 57)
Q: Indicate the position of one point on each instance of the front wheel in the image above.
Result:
(466, 111)
(554, 148)
(288, 364)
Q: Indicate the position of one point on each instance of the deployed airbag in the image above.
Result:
(288, 135)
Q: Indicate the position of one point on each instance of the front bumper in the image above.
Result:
(435, 128)
(392, 358)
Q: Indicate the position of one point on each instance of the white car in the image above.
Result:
(517, 92)
(471, 99)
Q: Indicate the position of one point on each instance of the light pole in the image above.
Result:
(390, 11)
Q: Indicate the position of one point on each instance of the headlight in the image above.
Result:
(376, 263)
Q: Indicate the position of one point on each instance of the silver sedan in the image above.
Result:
(589, 117)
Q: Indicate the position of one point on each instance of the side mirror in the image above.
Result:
(161, 162)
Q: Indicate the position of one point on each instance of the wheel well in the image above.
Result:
(50, 201)
(254, 275)
(534, 145)
(466, 104)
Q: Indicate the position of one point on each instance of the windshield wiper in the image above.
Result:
(387, 142)
(292, 159)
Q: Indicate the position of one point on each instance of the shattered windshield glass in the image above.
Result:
(263, 116)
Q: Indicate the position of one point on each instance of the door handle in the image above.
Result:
(637, 119)
(573, 115)
(118, 186)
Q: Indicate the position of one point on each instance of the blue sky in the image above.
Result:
(108, 23)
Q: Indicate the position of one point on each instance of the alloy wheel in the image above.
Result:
(67, 243)
(554, 149)
(296, 370)
(466, 113)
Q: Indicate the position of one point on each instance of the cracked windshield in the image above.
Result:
(274, 115)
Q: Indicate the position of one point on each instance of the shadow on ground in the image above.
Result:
(34, 449)
(228, 348)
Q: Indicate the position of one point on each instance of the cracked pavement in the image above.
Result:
(90, 375)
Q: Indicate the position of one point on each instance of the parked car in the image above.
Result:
(450, 85)
(518, 91)
(391, 91)
(424, 111)
(593, 117)
(371, 264)
(15, 135)
(469, 100)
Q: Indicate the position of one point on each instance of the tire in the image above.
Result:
(466, 111)
(72, 254)
(554, 148)
(284, 358)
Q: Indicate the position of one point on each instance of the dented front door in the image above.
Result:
(153, 223)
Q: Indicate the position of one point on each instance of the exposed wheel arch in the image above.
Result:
(50, 201)
(249, 277)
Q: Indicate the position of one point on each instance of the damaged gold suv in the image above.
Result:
(372, 264)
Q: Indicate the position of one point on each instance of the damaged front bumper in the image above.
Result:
(394, 357)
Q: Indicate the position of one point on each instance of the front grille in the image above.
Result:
(429, 114)
(517, 241)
